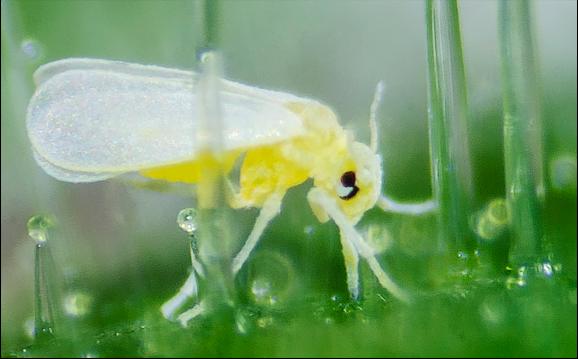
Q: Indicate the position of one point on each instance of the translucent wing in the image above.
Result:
(94, 119)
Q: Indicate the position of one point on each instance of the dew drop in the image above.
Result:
(378, 238)
(38, 227)
(309, 230)
(563, 173)
(546, 268)
(262, 291)
(492, 220)
(31, 49)
(350, 307)
(45, 331)
(265, 322)
(206, 55)
(270, 278)
(187, 220)
(487, 229)
(518, 278)
(77, 304)
(498, 211)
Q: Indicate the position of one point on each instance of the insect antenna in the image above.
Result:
(377, 99)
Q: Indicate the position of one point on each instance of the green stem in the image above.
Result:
(45, 295)
(522, 131)
(215, 241)
(448, 126)
(211, 24)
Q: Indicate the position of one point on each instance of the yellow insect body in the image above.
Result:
(90, 120)
(321, 153)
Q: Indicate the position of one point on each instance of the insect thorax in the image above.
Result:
(324, 152)
(317, 154)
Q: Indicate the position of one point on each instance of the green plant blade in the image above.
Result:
(522, 131)
(448, 127)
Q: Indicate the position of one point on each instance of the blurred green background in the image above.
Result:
(122, 245)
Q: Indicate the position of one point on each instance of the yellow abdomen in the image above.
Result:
(274, 168)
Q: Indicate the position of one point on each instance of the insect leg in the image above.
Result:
(191, 314)
(187, 291)
(350, 234)
(270, 209)
(389, 205)
(382, 277)
(351, 259)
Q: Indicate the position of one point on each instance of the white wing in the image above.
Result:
(71, 176)
(94, 119)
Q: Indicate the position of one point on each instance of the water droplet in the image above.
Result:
(498, 211)
(492, 221)
(46, 331)
(350, 307)
(265, 322)
(77, 304)
(270, 278)
(309, 230)
(463, 267)
(262, 291)
(38, 227)
(518, 278)
(31, 49)
(546, 268)
(563, 173)
(187, 220)
(29, 327)
(207, 55)
(378, 238)
(487, 229)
